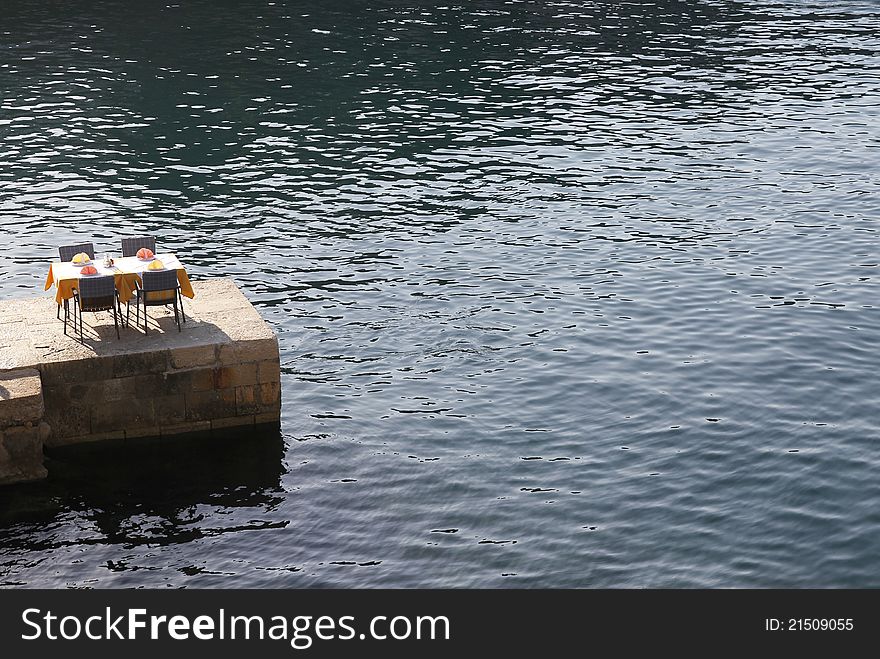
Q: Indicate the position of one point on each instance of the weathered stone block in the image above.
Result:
(77, 370)
(235, 376)
(67, 421)
(207, 405)
(193, 356)
(203, 379)
(23, 443)
(140, 386)
(21, 455)
(267, 418)
(232, 422)
(115, 415)
(117, 389)
(140, 363)
(21, 397)
(270, 395)
(85, 393)
(269, 371)
(259, 398)
(182, 382)
(170, 410)
(21, 383)
(244, 351)
(21, 473)
(57, 394)
(247, 400)
(45, 431)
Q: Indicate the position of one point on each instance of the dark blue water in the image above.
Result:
(568, 294)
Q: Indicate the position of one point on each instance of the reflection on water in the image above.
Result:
(568, 294)
(139, 497)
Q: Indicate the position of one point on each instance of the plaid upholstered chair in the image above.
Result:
(130, 246)
(157, 289)
(66, 254)
(95, 294)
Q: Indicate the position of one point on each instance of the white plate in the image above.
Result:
(152, 258)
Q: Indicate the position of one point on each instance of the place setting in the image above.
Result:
(89, 267)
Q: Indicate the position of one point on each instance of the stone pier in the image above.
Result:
(22, 429)
(221, 371)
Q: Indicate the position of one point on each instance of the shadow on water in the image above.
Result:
(149, 491)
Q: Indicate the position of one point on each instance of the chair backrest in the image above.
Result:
(67, 252)
(163, 280)
(130, 246)
(97, 293)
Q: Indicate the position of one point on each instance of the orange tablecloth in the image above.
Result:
(126, 273)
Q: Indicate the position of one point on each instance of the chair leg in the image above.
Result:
(182, 313)
(116, 321)
(176, 317)
(81, 340)
(146, 318)
(66, 314)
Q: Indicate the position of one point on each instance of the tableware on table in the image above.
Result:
(81, 259)
(88, 270)
(156, 264)
(145, 254)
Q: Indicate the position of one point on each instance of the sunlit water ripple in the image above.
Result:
(568, 294)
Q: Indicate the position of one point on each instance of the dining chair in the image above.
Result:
(130, 246)
(95, 294)
(66, 254)
(157, 289)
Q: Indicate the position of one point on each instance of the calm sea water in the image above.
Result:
(568, 294)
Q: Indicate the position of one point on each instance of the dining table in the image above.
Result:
(126, 272)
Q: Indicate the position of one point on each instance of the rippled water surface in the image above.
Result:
(568, 294)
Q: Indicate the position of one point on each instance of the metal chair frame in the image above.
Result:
(164, 281)
(94, 294)
(66, 254)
